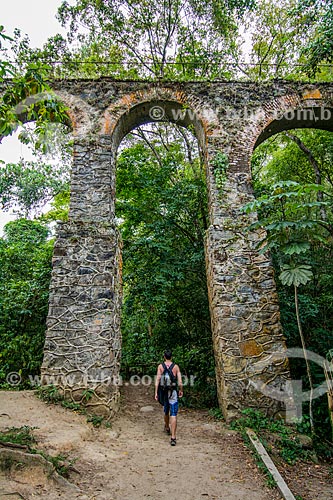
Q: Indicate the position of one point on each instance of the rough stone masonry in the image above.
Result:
(83, 339)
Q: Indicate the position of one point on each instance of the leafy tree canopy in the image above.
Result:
(151, 35)
(319, 22)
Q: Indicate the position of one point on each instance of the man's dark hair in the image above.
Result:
(168, 354)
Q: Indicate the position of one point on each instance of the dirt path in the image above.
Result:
(132, 460)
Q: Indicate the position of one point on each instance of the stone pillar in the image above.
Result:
(93, 180)
(83, 341)
(242, 293)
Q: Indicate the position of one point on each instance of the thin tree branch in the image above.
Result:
(315, 166)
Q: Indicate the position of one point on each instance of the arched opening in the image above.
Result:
(158, 111)
(162, 214)
(292, 174)
(317, 117)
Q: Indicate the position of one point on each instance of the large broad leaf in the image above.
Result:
(284, 194)
(283, 184)
(296, 248)
(295, 275)
(313, 204)
(255, 205)
(280, 225)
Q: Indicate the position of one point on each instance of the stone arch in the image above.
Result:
(245, 329)
(82, 118)
(312, 109)
(175, 106)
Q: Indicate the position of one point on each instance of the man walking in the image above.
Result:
(171, 399)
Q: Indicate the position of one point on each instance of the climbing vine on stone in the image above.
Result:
(220, 165)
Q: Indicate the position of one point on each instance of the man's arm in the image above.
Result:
(157, 379)
(180, 382)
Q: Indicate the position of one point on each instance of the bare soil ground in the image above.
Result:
(133, 459)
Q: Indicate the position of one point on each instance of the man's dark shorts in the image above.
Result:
(171, 408)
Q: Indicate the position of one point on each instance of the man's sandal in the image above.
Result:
(167, 430)
(173, 441)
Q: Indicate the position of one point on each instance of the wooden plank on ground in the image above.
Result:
(282, 486)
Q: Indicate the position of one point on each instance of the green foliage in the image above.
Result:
(71, 405)
(24, 436)
(6, 68)
(18, 435)
(289, 39)
(281, 159)
(185, 40)
(319, 22)
(59, 208)
(220, 164)
(161, 195)
(216, 413)
(286, 441)
(25, 270)
(87, 394)
(276, 40)
(289, 214)
(49, 394)
(96, 420)
(61, 463)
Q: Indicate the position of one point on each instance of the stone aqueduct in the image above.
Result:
(83, 340)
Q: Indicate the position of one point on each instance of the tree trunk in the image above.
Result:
(315, 167)
(305, 357)
(328, 369)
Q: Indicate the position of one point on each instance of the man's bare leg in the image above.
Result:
(173, 427)
(166, 422)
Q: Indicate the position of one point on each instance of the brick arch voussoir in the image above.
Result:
(266, 114)
(290, 105)
(118, 109)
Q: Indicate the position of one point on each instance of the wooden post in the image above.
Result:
(328, 369)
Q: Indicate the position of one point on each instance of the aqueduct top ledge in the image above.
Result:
(255, 109)
(230, 111)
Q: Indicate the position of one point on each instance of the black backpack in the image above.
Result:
(168, 383)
